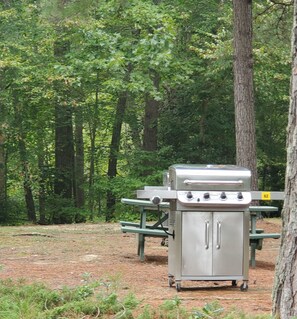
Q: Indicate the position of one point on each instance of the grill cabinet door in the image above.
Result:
(227, 243)
(212, 243)
(197, 243)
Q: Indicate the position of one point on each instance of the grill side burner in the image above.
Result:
(208, 222)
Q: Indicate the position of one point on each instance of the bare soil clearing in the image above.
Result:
(62, 255)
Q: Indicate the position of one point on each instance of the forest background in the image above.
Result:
(98, 98)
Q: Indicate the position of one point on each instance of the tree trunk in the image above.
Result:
(135, 128)
(3, 208)
(64, 148)
(64, 152)
(27, 183)
(150, 133)
(93, 126)
(243, 89)
(285, 285)
(2, 177)
(79, 159)
(114, 150)
(42, 190)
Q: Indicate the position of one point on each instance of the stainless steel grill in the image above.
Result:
(208, 222)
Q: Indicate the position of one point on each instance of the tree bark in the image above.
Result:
(114, 151)
(2, 177)
(150, 133)
(64, 152)
(64, 147)
(79, 159)
(42, 188)
(3, 190)
(30, 205)
(27, 183)
(93, 127)
(243, 89)
(285, 284)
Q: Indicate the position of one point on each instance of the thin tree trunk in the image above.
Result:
(150, 133)
(243, 89)
(93, 126)
(2, 177)
(285, 284)
(114, 151)
(27, 183)
(64, 147)
(151, 116)
(64, 152)
(42, 190)
(79, 159)
(3, 190)
(135, 127)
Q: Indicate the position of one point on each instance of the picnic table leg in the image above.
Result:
(141, 237)
(141, 240)
(253, 223)
(253, 255)
(253, 245)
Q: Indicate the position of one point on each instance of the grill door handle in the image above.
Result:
(206, 234)
(212, 182)
(219, 233)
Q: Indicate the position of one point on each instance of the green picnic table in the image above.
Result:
(143, 229)
(158, 229)
(257, 235)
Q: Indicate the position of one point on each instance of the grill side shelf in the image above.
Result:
(149, 193)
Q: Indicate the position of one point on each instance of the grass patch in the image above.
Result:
(95, 299)
(36, 301)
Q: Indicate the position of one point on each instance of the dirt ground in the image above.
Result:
(64, 255)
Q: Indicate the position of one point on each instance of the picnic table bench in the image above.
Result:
(143, 229)
(159, 229)
(257, 235)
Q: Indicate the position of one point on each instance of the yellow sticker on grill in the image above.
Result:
(265, 195)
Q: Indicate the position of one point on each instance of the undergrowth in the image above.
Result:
(95, 299)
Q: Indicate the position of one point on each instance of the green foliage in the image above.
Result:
(172, 309)
(188, 44)
(96, 299)
(15, 212)
(60, 210)
(210, 310)
(19, 300)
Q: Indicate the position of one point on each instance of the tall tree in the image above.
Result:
(150, 131)
(285, 285)
(114, 150)
(21, 138)
(2, 161)
(243, 88)
(64, 151)
(64, 141)
(2, 175)
(79, 159)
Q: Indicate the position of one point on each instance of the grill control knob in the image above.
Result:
(189, 195)
(206, 195)
(239, 196)
(156, 200)
(223, 195)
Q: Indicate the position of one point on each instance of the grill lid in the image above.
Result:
(209, 177)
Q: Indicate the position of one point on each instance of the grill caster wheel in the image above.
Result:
(178, 286)
(234, 283)
(244, 287)
(170, 281)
